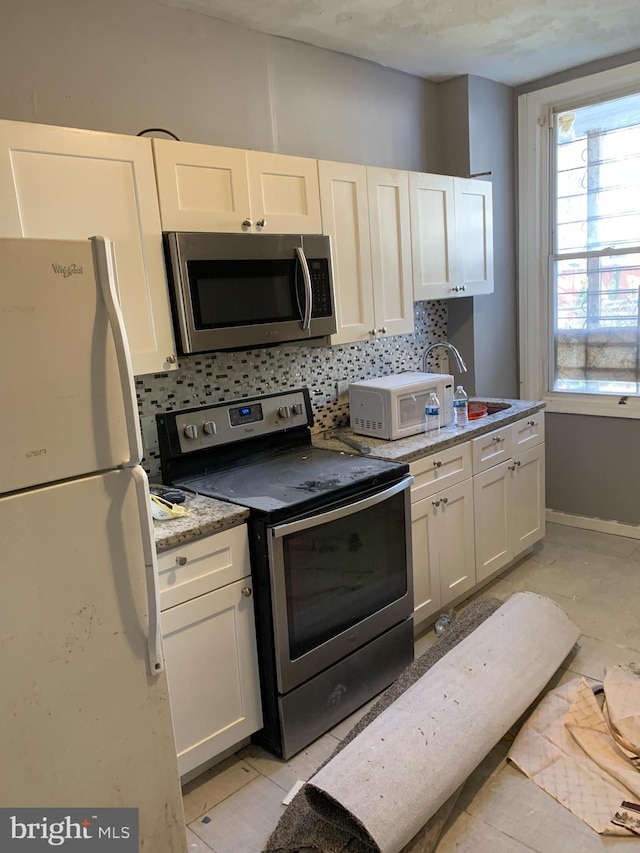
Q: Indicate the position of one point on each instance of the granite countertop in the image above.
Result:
(207, 516)
(423, 444)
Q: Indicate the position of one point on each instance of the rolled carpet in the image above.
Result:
(301, 828)
(380, 790)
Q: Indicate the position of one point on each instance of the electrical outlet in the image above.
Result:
(342, 387)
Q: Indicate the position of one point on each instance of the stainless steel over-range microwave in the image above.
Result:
(235, 291)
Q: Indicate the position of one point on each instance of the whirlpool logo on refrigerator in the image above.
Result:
(67, 270)
(81, 830)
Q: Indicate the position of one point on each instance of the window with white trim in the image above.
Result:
(595, 247)
(579, 244)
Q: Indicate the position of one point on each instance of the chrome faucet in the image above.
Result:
(462, 367)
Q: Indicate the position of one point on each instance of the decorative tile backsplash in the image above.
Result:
(221, 376)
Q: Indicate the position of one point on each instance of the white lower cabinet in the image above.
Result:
(467, 532)
(443, 548)
(509, 510)
(210, 645)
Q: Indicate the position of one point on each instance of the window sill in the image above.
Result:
(593, 404)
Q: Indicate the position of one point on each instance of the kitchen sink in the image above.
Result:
(493, 406)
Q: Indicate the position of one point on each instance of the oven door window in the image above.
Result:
(339, 573)
(227, 293)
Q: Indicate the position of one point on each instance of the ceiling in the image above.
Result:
(511, 41)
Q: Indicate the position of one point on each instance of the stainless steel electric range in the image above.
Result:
(330, 540)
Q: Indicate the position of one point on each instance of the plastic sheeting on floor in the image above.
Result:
(585, 756)
(386, 784)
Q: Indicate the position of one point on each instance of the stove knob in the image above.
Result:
(209, 427)
(298, 409)
(284, 412)
(191, 431)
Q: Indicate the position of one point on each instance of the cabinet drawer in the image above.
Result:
(202, 566)
(441, 470)
(528, 432)
(491, 449)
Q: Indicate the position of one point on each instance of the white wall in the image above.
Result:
(125, 65)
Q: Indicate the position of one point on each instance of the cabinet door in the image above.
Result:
(61, 183)
(426, 582)
(435, 265)
(455, 541)
(491, 499)
(345, 218)
(284, 193)
(212, 668)
(390, 250)
(527, 499)
(201, 187)
(474, 235)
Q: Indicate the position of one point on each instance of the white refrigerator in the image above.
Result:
(84, 712)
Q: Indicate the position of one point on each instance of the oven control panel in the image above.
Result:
(224, 423)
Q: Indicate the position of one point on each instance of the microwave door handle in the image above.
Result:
(308, 303)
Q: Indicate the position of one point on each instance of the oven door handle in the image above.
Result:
(280, 530)
(305, 323)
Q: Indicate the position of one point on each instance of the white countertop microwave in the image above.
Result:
(392, 407)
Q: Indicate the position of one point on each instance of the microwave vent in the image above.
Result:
(365, 423)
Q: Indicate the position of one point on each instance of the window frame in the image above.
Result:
(535, 180)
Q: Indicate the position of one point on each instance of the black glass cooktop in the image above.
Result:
(291, 479)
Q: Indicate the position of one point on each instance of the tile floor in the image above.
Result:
(595, 577)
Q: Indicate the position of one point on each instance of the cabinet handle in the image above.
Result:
(497, 438)
(181, 561)
(437, 464)
(246, 591)
(170, 359)
(531, 423)
(436, 503)
(445, 500)
(247, 223)
(261, 223)
(517, 464)
(372, 333)
(512, 467)
(463, 288)
(383, 330)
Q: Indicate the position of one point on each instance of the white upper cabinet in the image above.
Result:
(435, 263)
(474, 235)
(451, 236)
(63, 183)
(201, 187)
(284, 193)
(365, 211)
(211, 188)
(390, 227)
(345, 218)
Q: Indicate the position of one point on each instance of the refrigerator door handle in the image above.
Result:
(105, 263)
(154, 640)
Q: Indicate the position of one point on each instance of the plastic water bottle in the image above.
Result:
(445, 621)
(432, 413)
(460, 407)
